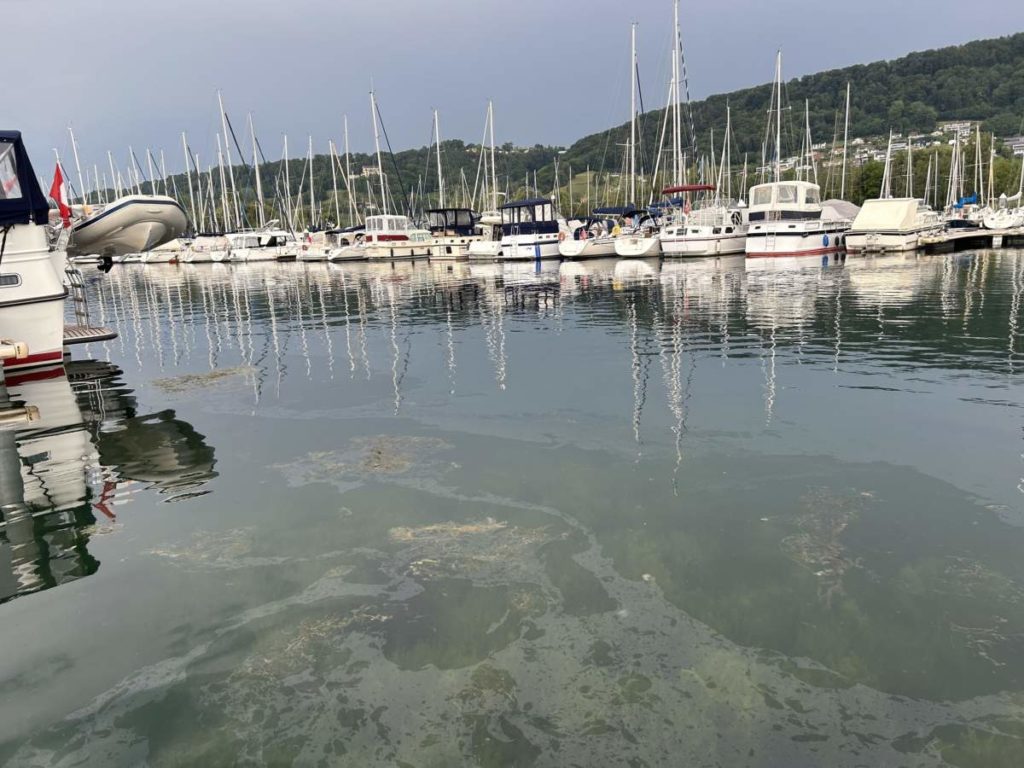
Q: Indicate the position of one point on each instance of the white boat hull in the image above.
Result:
(131, 224)
(529, 248)
(32, 297)
(591, 248)
(637, 246)
(484, 250)
(694, 246)
(796, 239)
(883, 242)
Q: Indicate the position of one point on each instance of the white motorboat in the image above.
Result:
(263, 245)
(130, 224)
(530, 230)
(891, 225)
(32, 290)
(201, 249)
(453, 230)
(713, 228)
(387, 237)
(787, 218)
(488, 246)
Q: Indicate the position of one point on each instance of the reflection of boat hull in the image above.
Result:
(131, 224)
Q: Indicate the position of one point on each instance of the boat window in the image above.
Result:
(813, 196)
(525, 214)
(762, 196)
(10, 281)
(787, 193)
(728, 230)
(9, 186)
(542, 213)
(716, 231)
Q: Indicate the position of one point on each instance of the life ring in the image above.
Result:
(561, 236)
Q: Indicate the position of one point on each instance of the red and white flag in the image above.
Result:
(59, 193)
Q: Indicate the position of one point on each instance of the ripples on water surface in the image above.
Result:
(700, 513)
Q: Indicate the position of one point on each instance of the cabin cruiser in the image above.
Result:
(787, 218)
(890, 225)
(453, 230)
(32, 290)
(264, 245)
(387, 236)
(317, 246)
(488, 245)
(641, 239)
(714, 227)
(130, 224)
(202, 248)
(594, 237)
(530, 230)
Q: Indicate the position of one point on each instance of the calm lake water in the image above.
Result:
(764, 513)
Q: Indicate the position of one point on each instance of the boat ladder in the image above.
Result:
(83, 331)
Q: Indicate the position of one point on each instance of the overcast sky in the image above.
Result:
(139, 72)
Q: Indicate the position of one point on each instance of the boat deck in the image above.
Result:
(85, 334)
(962, 239)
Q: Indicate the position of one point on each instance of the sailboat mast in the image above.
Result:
(334, 181)
(256, 169)
(778, 116)
(910, 166)
(437, 144)
(188, 174)
(376, 142)
(227, 153)
(223, 185)
(728, 152)
(74, 149)
(288, 186)
(348, 179)
(312, 203)
(632, 116)
(494, 166)
(677, 129)
(846, 136)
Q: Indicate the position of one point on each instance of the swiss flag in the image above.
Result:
(60, 196)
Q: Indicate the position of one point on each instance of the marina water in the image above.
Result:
(604, 513)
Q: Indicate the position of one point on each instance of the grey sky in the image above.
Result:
(139, 72)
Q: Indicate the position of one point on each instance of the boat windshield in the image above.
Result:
(10, 188)
(812, 197)
(787, 193)
(762, 196)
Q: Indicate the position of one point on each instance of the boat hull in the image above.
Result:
(882, 242)
(132, 224)
(591, 248)
(531, 248)
(707, 245)
(766, 242)
(637, 246)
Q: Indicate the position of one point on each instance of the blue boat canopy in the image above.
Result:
(527, 203)
(618, 210)
(21, 199)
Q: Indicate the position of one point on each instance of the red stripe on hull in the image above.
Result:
(16, 378)
(790, 254)
(43, 358)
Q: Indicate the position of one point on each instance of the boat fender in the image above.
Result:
(824, 240)
(583, 234)
(561, 236)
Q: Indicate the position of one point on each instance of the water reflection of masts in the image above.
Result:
(678, 392)
(328, 341)
(640, 366)
(492, 317)
(1017, 276)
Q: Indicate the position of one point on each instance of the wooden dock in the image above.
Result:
(963, 239)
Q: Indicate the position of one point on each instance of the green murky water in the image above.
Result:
(708, 513)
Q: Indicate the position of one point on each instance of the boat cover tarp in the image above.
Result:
(30, 206)
(843, 208)
(898, 214)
